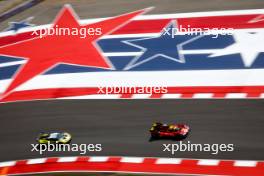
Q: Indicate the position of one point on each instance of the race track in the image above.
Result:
(121, 126)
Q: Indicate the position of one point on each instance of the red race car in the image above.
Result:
(173, 131)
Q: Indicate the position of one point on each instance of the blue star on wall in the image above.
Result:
(15, 26)
(165, 46)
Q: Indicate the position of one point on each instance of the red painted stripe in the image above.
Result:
(126, 96)
(82, 159)
(187, 92)
(154, 26)
(187, 95)
(236, 22)
(253, 95)
(219, 95)
(16, 38)
(216, 89)
(156, 96)
(143, 26)
(21, 162)
(52, 160)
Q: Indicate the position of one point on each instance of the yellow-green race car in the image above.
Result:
(55, 138)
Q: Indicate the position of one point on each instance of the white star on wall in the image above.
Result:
(248, 44)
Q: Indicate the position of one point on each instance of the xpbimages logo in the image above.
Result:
(63, 31)
(190, 147)
(81, 148)
(188, 30)
(133, 90)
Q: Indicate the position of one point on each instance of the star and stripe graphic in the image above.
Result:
(134, 50)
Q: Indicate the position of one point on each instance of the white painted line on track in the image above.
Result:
(168, 161)
(98, 159)
(132, 160)
(67, 159)
(245, 163)
(208, 162)
(37, 161)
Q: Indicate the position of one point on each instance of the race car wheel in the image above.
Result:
(154, 135)
(181, 137)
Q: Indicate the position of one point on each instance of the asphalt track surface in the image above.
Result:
(121, 126)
